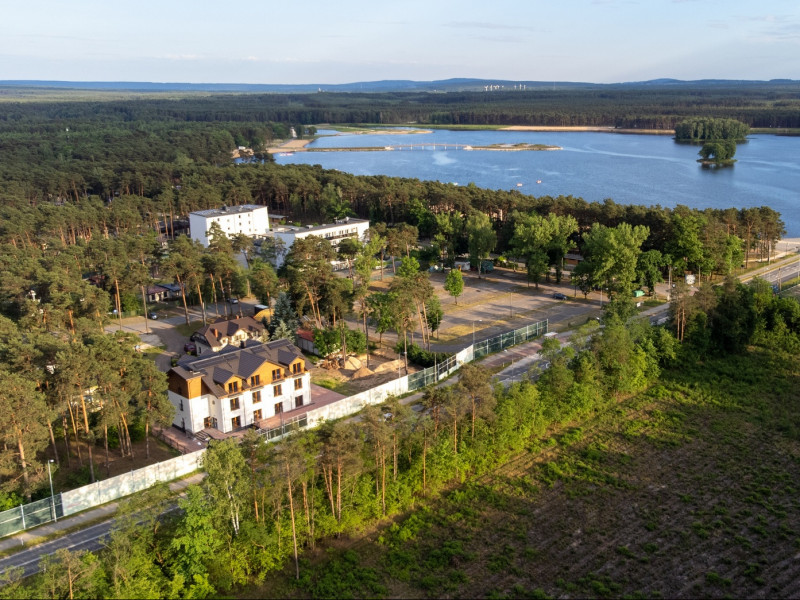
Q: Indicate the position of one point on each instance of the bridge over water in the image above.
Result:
(399, 147)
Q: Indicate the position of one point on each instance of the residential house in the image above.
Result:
(239, 387)
(160, 292)
(234, 332)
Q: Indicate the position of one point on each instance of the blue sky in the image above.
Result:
(340, 41)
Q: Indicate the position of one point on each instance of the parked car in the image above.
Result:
(559, 296)
(189, 348)
(152, 316)
(233, 300)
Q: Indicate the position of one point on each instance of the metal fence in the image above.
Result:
(508, 339)
(433, 374)
(30, 515)
(299, 422)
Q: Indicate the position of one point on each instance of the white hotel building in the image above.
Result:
(335, 232)
(249, 219)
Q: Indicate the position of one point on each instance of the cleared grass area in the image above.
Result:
(687, 490)
(333, 384)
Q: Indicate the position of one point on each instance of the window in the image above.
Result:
(276, 374)
(257, 415)
(298, 383)
(233, 386)
(235, 403)
(257, 397)
(277, 390)
(298, 401)
(236, 422)
(278, 408)
(255, 380)
(180, 404)
(297, 368)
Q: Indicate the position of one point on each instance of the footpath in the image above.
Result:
(515, 362)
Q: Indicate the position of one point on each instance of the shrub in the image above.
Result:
(422, 357)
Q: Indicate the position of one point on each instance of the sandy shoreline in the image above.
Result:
(290, 146)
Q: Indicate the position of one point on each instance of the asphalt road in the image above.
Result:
(91, 538)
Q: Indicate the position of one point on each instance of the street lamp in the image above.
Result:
(52, 495)
(473, 331)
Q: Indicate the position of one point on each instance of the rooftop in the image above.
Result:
(323, 227)
(243, 362)
(228, 210)
(211, 334)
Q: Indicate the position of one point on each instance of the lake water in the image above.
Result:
(630, 169)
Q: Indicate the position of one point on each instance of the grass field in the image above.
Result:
(689, 490)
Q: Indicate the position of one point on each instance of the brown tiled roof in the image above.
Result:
(211, 334)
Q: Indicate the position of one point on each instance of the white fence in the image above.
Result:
(107, 490)
(353, 404)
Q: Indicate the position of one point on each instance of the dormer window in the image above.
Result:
(233, 386)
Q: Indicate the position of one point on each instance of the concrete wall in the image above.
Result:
(117, 487)
(353, 404)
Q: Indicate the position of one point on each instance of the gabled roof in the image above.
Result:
(221, 375)
(218, 369)
(211, 335)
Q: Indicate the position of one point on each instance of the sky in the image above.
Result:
(344, 41)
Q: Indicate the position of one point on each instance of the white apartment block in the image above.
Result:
(334, 232)
(249, 219)
(239, 388)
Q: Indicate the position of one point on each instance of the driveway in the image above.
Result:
(159, 332)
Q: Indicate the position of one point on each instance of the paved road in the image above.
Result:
(91, 537)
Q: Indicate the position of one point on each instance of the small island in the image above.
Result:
(516, 147)
(718, 136)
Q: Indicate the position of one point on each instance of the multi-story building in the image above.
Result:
(239, 387)
(334, 232)
(249, 219)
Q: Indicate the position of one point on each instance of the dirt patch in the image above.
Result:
(70, 474)
(357, 377)
(362, 372)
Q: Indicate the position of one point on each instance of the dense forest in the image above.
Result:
(652, 106)
(93, 196)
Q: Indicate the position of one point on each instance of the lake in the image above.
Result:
(630, 169)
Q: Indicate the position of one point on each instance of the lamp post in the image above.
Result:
(473, 333)
(52, 495)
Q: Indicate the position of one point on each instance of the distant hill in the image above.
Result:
(389, 85)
